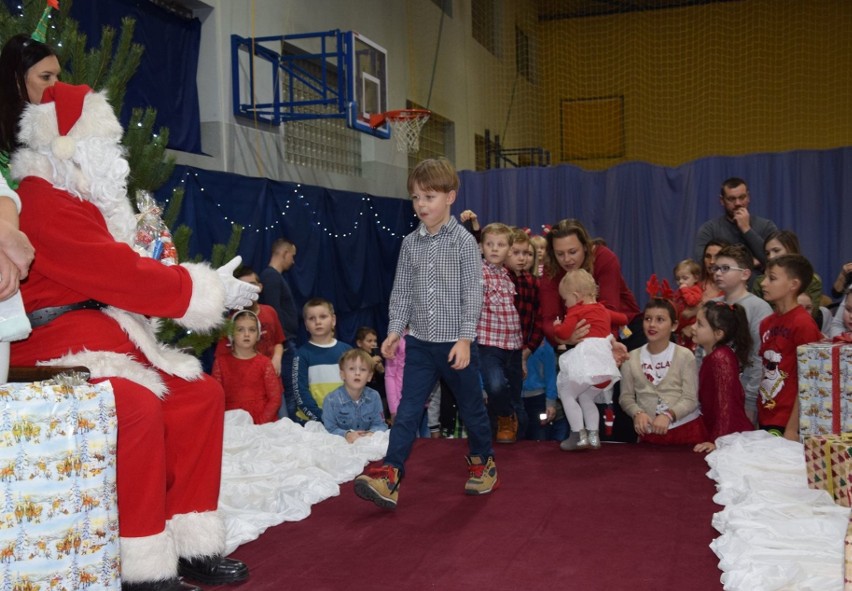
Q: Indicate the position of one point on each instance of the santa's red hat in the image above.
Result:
(69, 106)
(67, 115)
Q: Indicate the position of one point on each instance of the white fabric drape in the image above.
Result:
(274, 472)
(777, 534)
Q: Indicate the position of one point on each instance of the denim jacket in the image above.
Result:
(341, 414)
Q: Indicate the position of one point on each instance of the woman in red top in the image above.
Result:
(570, 247)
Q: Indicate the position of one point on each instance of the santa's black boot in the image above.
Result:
(213, 570)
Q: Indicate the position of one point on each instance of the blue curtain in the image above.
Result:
(649, 214)
(347, 243)
(166, 76)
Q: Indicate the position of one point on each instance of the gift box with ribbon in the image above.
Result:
(825, 388)
(828, 459)
(847, 553)
(58, 512)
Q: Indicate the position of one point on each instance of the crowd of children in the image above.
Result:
(715, 355)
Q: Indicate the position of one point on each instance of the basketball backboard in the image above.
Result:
(368, 78)
(328, 74)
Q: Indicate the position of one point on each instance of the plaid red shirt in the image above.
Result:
(526, 302)
(499, 323)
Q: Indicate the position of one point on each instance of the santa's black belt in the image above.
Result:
(44, 315)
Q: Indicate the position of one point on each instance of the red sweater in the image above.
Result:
(250, 385)
(721, 394)
(612, 291)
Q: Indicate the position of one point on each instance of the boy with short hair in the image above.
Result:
(499, 334)
(732, 273)
(437, 292)
(315, 367)
(780, 334)
(519, 262)
(354, 410)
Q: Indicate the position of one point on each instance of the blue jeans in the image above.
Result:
(557, 430)
(288, 404)
(425, 362)
(502, 379)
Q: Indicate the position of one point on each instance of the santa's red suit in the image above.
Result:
(170, 414)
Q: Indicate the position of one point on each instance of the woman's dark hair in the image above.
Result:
(663, 304)
(20, 53)
(569, 227)
(733, 322)
(787, 239)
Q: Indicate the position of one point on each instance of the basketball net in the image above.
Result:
(406, 125)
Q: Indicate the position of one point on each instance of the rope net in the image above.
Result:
(598, 83)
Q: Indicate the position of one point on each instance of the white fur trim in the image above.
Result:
(198, 534)
(143, 333)
(107, 364)
(38, 126)
(63, 147)
(149, 558)
(207, 304)
(30, 163)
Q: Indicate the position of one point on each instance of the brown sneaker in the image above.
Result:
(483, 476)
(379, 485)
(507, 429)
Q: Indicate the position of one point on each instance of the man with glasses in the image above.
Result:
(738, 225)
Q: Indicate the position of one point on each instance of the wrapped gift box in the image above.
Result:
(847, 554)
(58, 514)
(828, 459)
(825, 388)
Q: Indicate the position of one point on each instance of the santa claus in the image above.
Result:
(93, 301)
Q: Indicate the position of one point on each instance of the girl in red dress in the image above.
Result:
(248, 378)
(722, 329)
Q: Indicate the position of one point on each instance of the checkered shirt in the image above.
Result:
(526, 302)
(437, 291)
(499, 324)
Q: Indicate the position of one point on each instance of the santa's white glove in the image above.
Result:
(238, 294)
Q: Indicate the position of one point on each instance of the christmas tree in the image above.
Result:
(110, 66)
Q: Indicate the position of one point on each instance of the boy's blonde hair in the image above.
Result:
(691, 266)
(519, 237)
(436, 174)
(580, 281)
(352, 355)
(314, 302)
(498, 229)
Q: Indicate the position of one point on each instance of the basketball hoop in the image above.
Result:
(405, 125)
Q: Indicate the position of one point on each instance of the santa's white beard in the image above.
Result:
(97, 173)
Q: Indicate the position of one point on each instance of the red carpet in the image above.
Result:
(628, 517)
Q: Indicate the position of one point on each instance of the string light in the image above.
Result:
(297, 196)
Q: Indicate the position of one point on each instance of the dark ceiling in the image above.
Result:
(567, 9)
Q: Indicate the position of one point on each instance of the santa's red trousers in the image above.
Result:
(169, 451)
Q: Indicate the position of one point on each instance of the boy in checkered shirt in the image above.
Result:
(519, 262)
(437, 293)
(499, 334)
